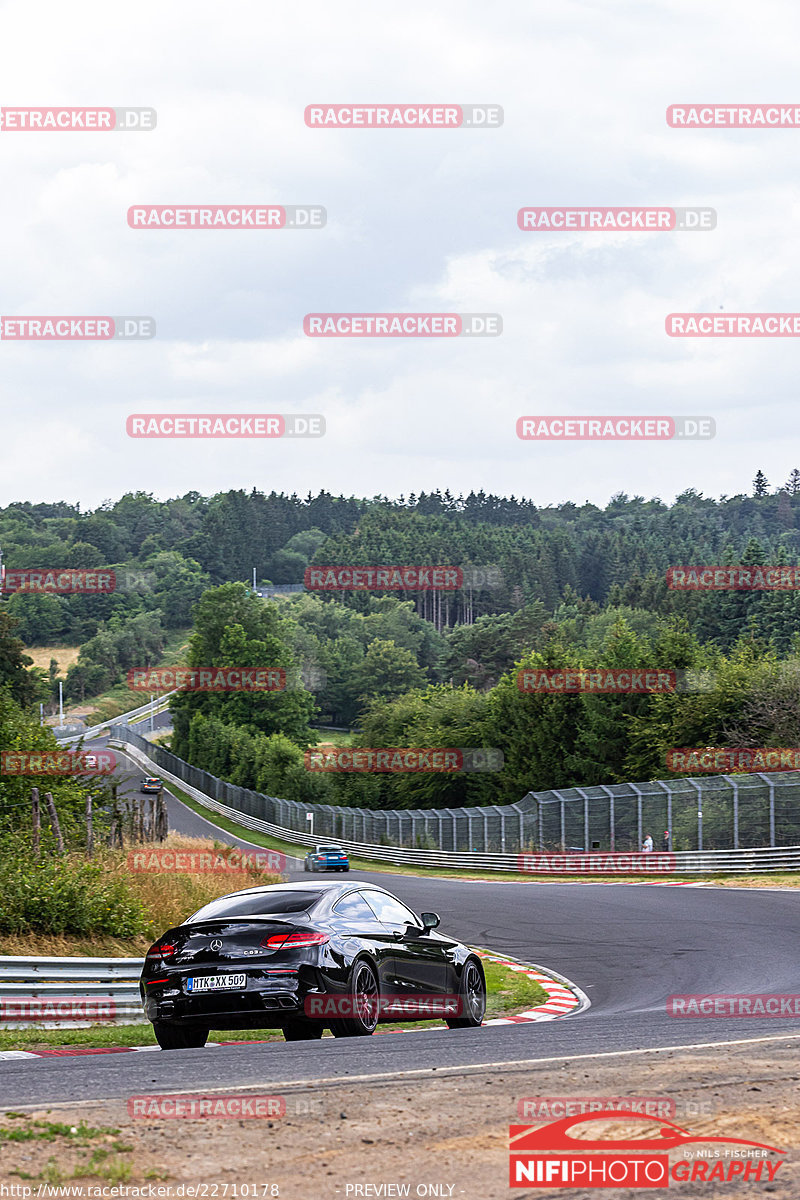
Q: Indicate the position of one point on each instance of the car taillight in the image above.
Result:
(160, 950)
(288, 941)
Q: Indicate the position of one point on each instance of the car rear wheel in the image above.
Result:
(179, 1037)
(364, 996)
(472, 995)
(301, 1031)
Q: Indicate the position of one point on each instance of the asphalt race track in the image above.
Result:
(627, 947)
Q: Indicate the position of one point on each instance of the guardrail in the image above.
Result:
(761, 860)
(124, 719)
(69, 993)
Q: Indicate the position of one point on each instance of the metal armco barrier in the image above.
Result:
(69, 993)
(92, 730)
(762, 859)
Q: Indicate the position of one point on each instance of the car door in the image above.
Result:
(354, 918)
(420, 962)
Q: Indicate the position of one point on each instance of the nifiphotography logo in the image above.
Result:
(554, 1156)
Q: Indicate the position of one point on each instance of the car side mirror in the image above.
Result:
(429, 921)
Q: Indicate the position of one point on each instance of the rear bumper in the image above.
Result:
(264, 1004)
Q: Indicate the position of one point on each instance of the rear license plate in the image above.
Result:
(215, 983)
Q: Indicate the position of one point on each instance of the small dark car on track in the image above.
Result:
(326, 858)
(302, 957)
(151, 784)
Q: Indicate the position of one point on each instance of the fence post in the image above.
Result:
(771, 785)
(51, 810)
(638, 814)
(612, 836)
(562, 804)
(162, 818)
(668, 790)
(89, 830)
(581, 792)
(521, 824)
(699, 812)
(36, 820)
(735, 787)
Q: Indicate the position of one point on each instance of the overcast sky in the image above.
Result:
(419, 221)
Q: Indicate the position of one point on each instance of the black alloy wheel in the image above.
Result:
(364, 996)
(472, 995)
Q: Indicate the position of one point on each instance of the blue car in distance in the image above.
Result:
(326, 858)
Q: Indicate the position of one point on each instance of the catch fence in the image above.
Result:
(713, 813)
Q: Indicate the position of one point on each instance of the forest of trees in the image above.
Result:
(615, 554)
(578, 586)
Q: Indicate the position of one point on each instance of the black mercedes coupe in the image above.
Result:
(303, 957)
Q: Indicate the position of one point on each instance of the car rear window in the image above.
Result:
(257, 904)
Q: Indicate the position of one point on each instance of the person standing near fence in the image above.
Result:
(647, 847)
(665, 843)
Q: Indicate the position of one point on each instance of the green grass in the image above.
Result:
(48, 1131)
(336, 737)
(508, 992)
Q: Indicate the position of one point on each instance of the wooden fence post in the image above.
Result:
(162, 819)
(89, 827)
(51, 810)
(37, 824)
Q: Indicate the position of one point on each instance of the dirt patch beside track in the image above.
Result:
(451, 1132)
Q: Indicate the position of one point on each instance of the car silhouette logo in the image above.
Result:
(216, 944)
(556, 1136)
